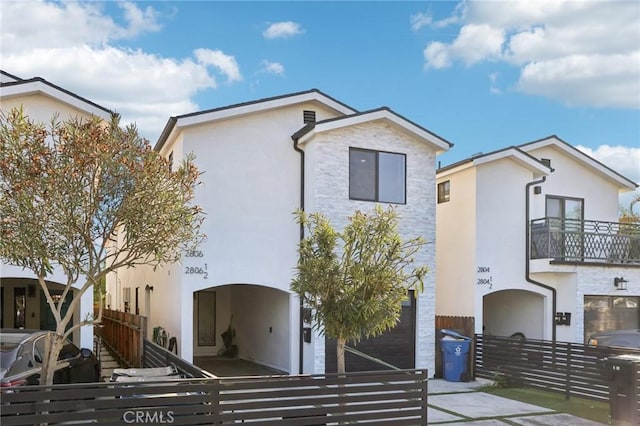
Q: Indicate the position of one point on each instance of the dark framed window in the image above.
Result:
(444, 189)
(377, 176)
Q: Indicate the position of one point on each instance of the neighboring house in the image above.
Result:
(23, 303)
(528, 241)
(261, 161)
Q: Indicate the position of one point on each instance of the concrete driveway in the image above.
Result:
(460, 403)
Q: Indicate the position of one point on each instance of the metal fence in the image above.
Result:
(156, 356)
(574, 240)
(572, 368)
(378, 398)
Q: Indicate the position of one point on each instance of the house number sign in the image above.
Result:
(483, 276)
(199, 269)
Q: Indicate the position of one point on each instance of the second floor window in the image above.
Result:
(443, 191)
(377, 176)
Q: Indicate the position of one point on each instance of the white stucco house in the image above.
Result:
(23, 304)
(528, 241)
(261, 161)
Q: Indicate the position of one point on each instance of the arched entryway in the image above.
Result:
(260, 323)
(507, 312)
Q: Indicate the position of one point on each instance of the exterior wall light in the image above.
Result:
(620, 283)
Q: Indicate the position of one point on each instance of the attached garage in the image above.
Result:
(603, 313)
(396, 346)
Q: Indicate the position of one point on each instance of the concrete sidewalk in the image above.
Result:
(460, 403)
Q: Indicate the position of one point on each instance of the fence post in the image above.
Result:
(567, 388)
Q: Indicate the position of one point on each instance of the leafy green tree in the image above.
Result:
(68, 188)
(628, 215)
(355, 280)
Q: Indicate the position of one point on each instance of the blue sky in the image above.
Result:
(483, 75)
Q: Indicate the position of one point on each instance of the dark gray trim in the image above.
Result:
(482, 155)
(56, 87)
(301, 321)
(527, 260)
(15, 77)
(169, 126)
(346, 117)
(377, 194)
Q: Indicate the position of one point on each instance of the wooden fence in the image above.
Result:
(123, 333)
(571, 368)
(379, 398)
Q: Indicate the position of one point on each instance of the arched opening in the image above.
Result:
(242, 329)
(508, 312)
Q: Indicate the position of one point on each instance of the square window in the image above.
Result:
(443, 191)
(377, 176)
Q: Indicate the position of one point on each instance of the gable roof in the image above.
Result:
(512, 152)
(582, 158)
(237, 110)
(383, 113)
(5, 77)
(38, 85)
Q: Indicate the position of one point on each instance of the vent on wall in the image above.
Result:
(309, 116)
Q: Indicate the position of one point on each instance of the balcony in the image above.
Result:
(585, 241)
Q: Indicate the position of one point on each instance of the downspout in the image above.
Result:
(528, 259)
(301, 324)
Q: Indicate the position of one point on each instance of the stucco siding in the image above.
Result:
(569, 179)
(42, 108)
(456, 246)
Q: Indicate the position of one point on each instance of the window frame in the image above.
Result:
(442, 197)
(376, 197)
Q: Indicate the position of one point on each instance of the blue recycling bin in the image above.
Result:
(455, 354)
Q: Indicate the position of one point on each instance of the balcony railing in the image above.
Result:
(571, 240)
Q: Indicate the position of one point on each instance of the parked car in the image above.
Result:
(22, 352)
(619, 338)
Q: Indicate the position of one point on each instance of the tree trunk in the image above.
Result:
(340, 354)
(53, 346)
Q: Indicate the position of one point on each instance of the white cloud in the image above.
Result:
(576, 52)
(623, 159)
(81, 57)
(282, 30)
(272, 67)
(420, 20)
(493, 78)
(437, 55)
(225, 63)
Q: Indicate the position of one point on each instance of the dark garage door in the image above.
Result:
(396, 346)
(603, 313)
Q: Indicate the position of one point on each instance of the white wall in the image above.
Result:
(261, 320)
(572, 179)
(456, 246)
(42, 108)
(511, 311)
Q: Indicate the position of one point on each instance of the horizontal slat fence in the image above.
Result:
(572, 368)
(157, 356)
(379, 398)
